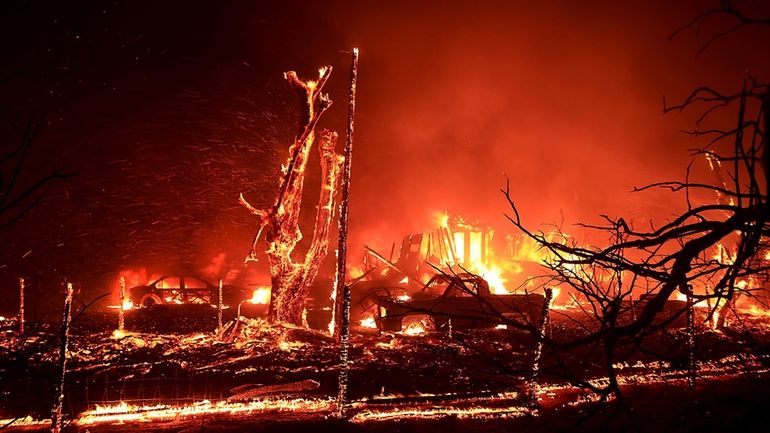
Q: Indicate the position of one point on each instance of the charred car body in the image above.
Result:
(463, 299)
(184, 290)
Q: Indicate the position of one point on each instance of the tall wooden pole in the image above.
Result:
(121, 313)
(21, 305)
(56, 419)
(344, 312)
(692, 370)
(219, 308)
(545, 316)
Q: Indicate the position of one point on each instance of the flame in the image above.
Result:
(722, 255)
(414, 328)
(368, 323)
(493, 275)
(755, 310)
(127, 304)
(26, 421)
(459, 240)
(354, 271)
(261, 296)
(118, 334)
(439, 412)
(124, 412)
(467, 239)
(442, 219)
(555, 292)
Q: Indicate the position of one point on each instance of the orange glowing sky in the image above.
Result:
(168, 112)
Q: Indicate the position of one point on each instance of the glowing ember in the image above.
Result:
(124, 412)
(127, 305)
(414, 328)
(26, 421)
(440, 412)
(119, 334)
(261, 296)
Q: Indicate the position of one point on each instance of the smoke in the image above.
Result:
(563, 98)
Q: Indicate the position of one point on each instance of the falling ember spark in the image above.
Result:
(261, 296)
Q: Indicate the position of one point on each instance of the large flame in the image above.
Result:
(368, 322)
(414, 328)
(260, 296)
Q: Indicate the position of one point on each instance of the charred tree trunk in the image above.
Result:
(291, 280)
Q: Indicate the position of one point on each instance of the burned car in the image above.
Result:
(184, 290)
(463, 299)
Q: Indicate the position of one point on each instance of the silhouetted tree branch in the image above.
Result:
(17, 195)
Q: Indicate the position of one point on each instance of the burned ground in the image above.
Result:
(412, 375)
